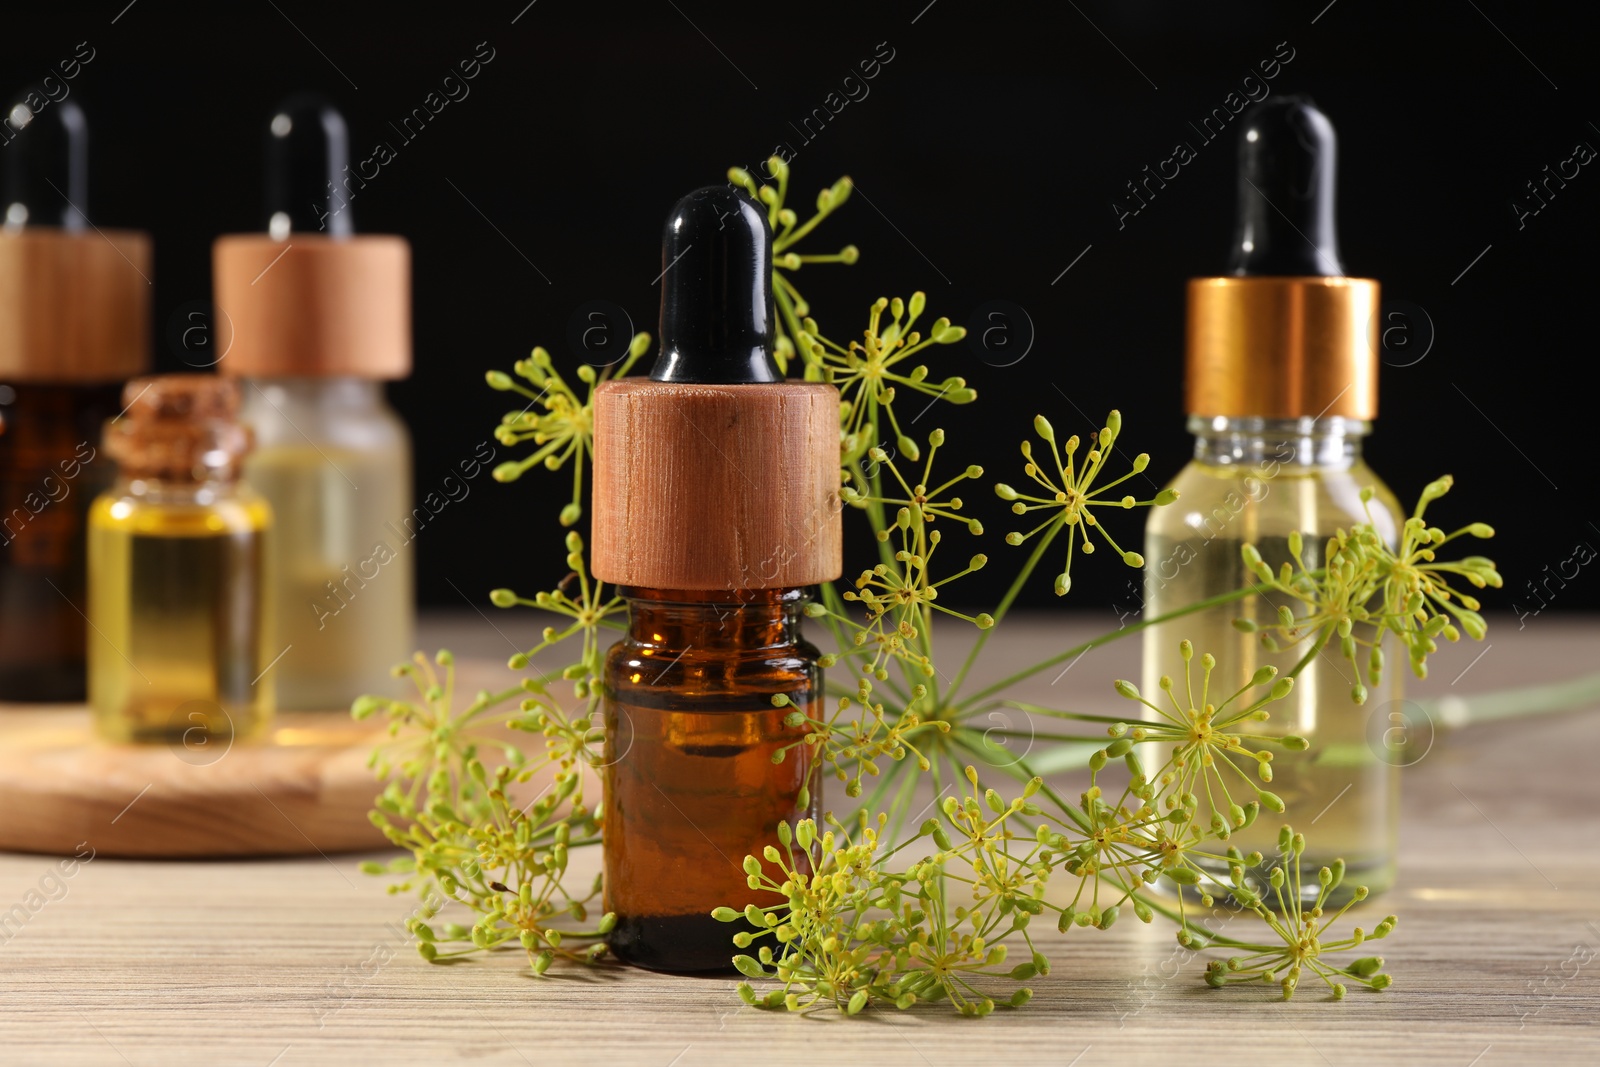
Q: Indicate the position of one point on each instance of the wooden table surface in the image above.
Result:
(290, 962)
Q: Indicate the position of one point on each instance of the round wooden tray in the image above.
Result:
(305, 790)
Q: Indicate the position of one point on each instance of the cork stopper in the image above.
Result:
(179, 427)
(74, 299)
(308, 298)
(715, 474)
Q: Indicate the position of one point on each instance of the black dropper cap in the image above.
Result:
(716, 291)
(47, 165)
(1287, 162)
(308, 149)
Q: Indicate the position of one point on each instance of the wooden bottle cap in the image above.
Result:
(313, 306)
(74, 307)
(712, 487)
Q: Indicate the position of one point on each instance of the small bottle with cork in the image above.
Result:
(317, 319)
(715, 507)
(74, 325)
(179, 598)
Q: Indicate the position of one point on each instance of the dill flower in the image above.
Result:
(1364, 588)
(1071, 495)
(787, 231)
(564, 429)
(866, 377)
(1302, 933)
(850, 932)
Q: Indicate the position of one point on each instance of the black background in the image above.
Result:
(987, 156)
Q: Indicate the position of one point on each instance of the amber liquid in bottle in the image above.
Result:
(691, 783)
(50, 470)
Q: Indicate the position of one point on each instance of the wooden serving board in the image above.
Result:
(304, 790)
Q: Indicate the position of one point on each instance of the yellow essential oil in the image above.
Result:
(1282, 369)
(179, 608)
(321, 320)
(1254, 483)
(335, 464)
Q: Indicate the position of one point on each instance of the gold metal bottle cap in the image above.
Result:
(1282, 347)
(74, 307)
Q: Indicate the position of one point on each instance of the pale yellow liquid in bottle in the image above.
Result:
(179, 619)
(343, 568)
(1343, 793)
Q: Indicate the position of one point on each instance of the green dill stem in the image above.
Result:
(1571, 695)
(787, 313)
(1023, 773)
(1005, 606)
(1154, 901)
(1107, 638)
(1317, 646)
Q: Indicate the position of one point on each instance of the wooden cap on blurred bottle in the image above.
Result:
(313, 306)
(74, 306)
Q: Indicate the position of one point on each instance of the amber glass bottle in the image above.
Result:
(695, 753)
(714, 542)
(50, 469)
(74, 315)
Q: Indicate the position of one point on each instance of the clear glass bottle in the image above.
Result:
(320, 318)
(691, 783)
(179, 597)
(1281, 386)
(1255, 481)
(334, 461)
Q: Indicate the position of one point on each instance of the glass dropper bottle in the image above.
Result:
(1281, 390)
(74, 324)
(715, 508)
(320, 318)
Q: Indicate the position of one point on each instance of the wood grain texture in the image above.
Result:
(312, 305)
(709, 487)
(74, 307)
(304, 961)
(306, 792)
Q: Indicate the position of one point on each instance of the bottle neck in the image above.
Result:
(715, 620)
(331, 394)
(1328, 444)
(175, 491)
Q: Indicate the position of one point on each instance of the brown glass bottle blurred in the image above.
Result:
(692, 783)
(74, 318)
(50, 470)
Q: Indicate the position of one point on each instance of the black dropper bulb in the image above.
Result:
(47, 165)
(716, 291)
(308, 148)
(1287, 164)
